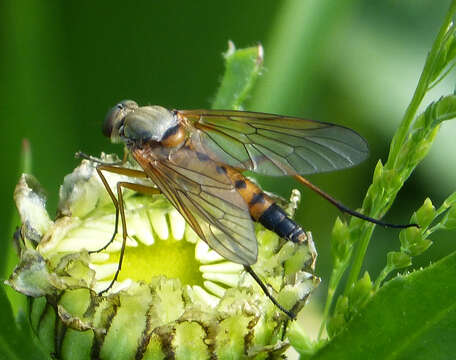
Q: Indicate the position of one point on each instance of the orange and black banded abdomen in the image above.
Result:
(264, 210)
(261, 207)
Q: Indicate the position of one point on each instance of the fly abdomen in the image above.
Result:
(264, 210)
(275, 219)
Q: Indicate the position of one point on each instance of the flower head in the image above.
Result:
(174, 295)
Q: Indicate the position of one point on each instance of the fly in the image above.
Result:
(196, 159)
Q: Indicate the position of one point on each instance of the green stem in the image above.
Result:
(336, 275)
(383, 274)
(385, 202)
(360, 252)
(420, 90)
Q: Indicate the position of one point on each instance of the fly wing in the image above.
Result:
(207, 199)
(273, 144)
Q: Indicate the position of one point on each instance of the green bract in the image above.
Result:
(175, 296)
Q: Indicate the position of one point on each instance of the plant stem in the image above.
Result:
(336, 275)
(420, 90)
(389, 194)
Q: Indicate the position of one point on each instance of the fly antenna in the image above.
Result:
(347, 210)
(81, 155)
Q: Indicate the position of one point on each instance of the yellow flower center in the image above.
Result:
(171, 258)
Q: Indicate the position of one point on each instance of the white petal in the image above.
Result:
(225, 267)
(99, 257)
(215, 289)
(227, 279)
(204, 254)
(104, 271)
(118, 286)
(190, 235)
(158, 220)
(177, 223)
(138, 224)
(204, 296)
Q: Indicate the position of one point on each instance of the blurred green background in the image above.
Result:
(355, 63)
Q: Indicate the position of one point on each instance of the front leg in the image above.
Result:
(119, 205)
(148, 190)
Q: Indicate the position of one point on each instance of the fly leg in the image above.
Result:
(263, 287)
(347, 210)
(119, 205)
(120, 171)
(120, 209)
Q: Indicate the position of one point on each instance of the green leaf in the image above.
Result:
(445, 55)
(411, 317)
(397, 260)
(242, 69)
(338, 321)
(425, 214)
(300, 340)
(449, 221)
(413, 241)
(15, 344)
(450, 200)
(444, 109)
(340, 241)
(360, 293)
(437, 112)
(348, 306)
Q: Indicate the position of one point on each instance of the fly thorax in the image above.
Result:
(174, 137)
(147, 123)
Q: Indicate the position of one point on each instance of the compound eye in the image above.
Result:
(108, 123)
(116, 114)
